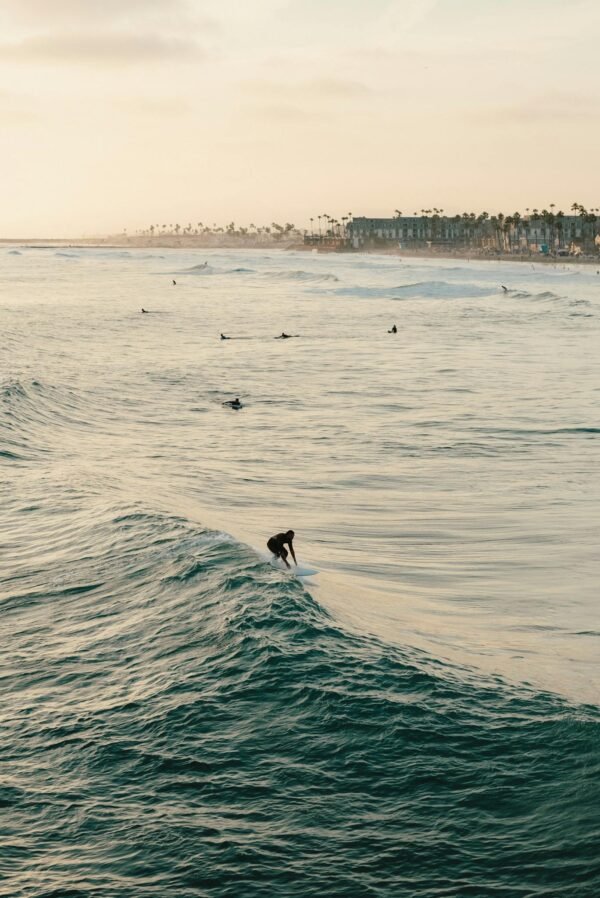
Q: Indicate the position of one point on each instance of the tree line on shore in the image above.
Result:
(274, 232)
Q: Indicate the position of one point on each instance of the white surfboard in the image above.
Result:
(298, 570)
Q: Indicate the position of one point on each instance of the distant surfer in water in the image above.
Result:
(223, 337)
(504, 288)
(174, 283)
(234, 403)
(277, 545)
(394, 330)
(284, 336)
(144, 311)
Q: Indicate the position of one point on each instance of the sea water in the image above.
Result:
(180, 719)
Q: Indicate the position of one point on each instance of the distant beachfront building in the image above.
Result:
(498, 233)
(406, 229)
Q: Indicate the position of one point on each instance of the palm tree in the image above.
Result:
(500, 231)
(481, 229)
(516, 217)
(552, 226)
(547, 219)
(588, 218)
(559, 226)
(508, 222)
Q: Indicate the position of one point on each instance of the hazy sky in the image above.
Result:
(123, 113)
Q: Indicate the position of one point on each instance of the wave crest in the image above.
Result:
(182, 679)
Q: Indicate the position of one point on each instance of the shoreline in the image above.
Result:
(191, 243)
(469, 256)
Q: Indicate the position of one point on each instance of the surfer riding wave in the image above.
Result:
(276, 544)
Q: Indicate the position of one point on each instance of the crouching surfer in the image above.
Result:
(277, 545)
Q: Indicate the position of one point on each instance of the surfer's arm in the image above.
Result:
(293, 553)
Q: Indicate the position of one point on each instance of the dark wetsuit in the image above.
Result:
(277, 543)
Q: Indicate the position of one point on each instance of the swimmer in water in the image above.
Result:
(234, 403)
(276, 544)
(394, 330)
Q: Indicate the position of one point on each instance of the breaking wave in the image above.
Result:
(193, 722)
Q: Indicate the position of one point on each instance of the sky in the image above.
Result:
(124, 113)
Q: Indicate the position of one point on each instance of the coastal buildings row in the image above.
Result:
(546, 232)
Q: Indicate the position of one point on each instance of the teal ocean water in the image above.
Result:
(179, 718)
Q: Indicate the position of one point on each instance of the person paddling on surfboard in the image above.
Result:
(277, 545)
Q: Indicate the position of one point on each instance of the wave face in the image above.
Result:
(420, 290)
(307, 277)
(200, 268)
(179, 718)
(184, 720)
(295, 276)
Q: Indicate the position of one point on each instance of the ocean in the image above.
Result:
(181, 719)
